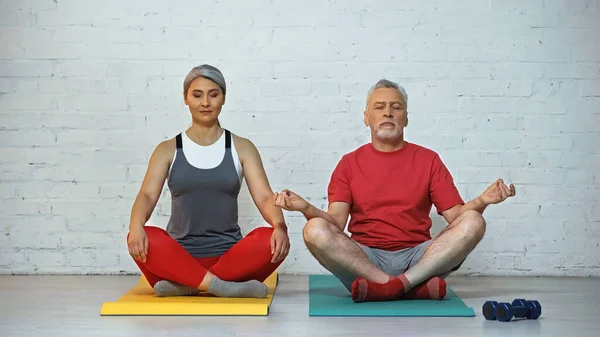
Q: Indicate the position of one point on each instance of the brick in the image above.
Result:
(136, 173)
(513, 159)
(285, 88)
(100, 225)
(91, 102)
(562, 142)
(297, 158)
(483, 176)
(23, 101)
(516, 70)
(273, 18)
(389, 18)
(27, 68)
(580, 20)
(37, 240)
(441, 142)
(494, 88)
(7, 192)
(532, 260)
(574, 159)
(590, 88)
(11, 258)
(34, 224)
(93, 240)
(575, 70)
(30, 156)
(80, 173)
(337, 121)
(460, 70)
(27, 138)
(93, 257)
(489, 104)
(538, 52)
(579, 177)
(52, 189)
(460, 158)
(70, 34)
(38, 259)
(86, 69)
(74, 137)
(538, 176)
(24, 207)
(520, 88)
(56, 85)
(136, 69)
(546, 159)
(585, 53)
(561, 210)
(318, 106)
(324, 89)
(481, 141)
(574, 36)
(10, 85)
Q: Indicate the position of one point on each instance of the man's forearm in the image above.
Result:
(476, 204)
(313, 212)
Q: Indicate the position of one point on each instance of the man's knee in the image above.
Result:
(317, 231)
(473, 224)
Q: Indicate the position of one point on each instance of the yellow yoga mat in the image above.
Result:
(140, 300)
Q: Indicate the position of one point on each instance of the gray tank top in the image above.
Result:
(204, 209)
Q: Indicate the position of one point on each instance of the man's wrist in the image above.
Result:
(307, 210)
(480, 203)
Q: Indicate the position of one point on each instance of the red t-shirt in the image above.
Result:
(391, 194)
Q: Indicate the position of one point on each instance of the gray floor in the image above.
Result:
(70, 306)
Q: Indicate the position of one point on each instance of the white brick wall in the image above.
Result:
(499, 88)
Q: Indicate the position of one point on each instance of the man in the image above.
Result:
(388, 188)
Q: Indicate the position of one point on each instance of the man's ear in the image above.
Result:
(365, 120)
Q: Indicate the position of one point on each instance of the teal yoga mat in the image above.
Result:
(329, 297)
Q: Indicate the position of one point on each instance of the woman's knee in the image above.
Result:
(154, 234)
(261, 232)
(155, 231)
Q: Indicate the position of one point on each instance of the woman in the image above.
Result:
(202, 248)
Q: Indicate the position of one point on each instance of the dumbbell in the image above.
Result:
(504, 312)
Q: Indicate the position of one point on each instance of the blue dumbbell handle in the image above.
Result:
(520, 311)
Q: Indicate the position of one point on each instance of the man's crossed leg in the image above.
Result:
(414, 273)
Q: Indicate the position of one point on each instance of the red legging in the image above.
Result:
(249, 259)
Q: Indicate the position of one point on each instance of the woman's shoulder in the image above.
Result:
(166, 149)
(241, 143)
(243, 146)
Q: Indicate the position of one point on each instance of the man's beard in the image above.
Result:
(384, 134)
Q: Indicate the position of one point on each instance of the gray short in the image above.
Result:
(392, 263)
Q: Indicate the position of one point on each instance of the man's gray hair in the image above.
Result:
(383, 83)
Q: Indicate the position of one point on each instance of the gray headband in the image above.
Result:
(206, 71)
